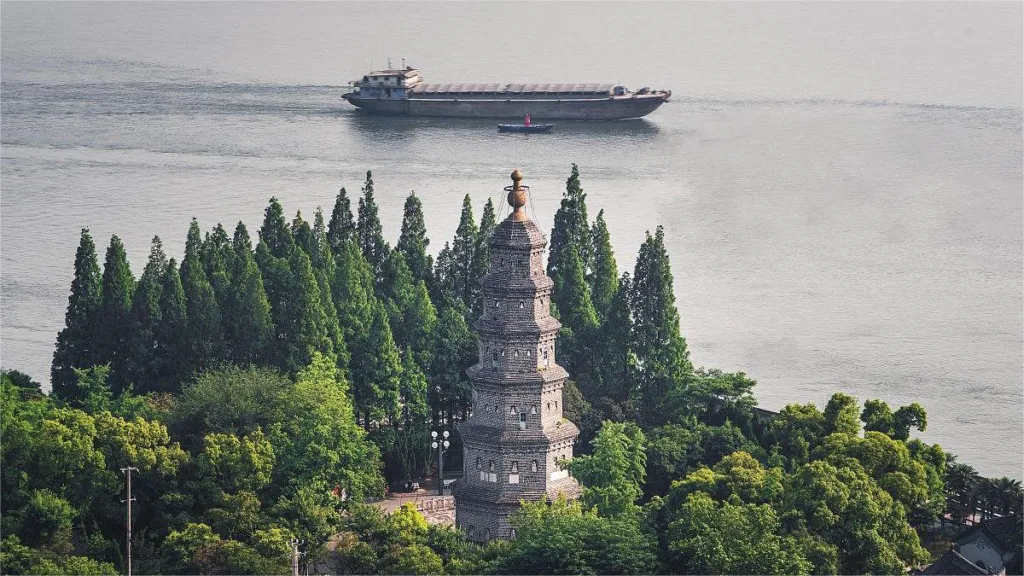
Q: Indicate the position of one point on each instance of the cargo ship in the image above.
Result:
(402, 92)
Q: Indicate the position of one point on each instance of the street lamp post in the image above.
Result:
(440, 444)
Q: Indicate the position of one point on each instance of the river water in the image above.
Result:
(840, 183)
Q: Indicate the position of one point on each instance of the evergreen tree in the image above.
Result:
(115, 316)
(248, 326)
(75, 343)
(142, 365)
(275, 233)
(662, 358)
(273, 256)
(482, 255)
(303, 234)
(604, 279)
(579, 321)
(325, 269)
(321, 255)
(413, 241)
(342, 228)
(413, 392)
(377, 373)
(411, 314)
(205, 335)
(172, 345)
(354, 298)
(571, 232)
(216, 256)
(369, 231)
(614, 362)
(463, 258)
(444, 292)
(305, 329)
(454, 350)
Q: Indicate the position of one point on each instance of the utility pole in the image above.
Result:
(128, 472)
(295, 555)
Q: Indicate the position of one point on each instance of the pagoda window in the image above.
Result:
(515, 467)
(477, 462)
(495, 407)
(549, 405)
(512, 411)
(487, 533)
(522, 420)
(512, 534)
(533, 466)
(522, 304)
(490, 465)
(533, 410)
(516, 353)
(494, 358)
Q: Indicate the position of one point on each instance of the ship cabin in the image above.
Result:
(392, 84)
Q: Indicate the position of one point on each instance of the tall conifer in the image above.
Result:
(274, 232)
(273, 256)
(321, 254)
(75, 343)
(172, 345)
(143, 366)
(482, 255)
(303, 234)
(248, 326)
(614, 366)
(377, 372)
(115, 317)
(205, 335)
(342, 227)
(411, 314)
(463, 257)
(571, 229)
(604, 278)
(413, 241)
(369, 231)
(454, 349)
(305, 330)
(662, 358)
(216, 256)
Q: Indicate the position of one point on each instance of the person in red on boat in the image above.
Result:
(526, 121)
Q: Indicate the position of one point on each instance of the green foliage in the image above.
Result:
(604, 277)
(675, 450)
(113, 342)
(143, 366)
(570, 234)
(711, 537)
(613, 475)
(237, 463)
(248, 326)
(662, 360)
(842, 415)
(454, 350)
(369, 231)
(342, 227)
(172, 344)
(562, 538)
(203, 326)
(413, 242)
(75, 343)
(456, 265)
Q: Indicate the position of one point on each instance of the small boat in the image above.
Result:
(525, 128)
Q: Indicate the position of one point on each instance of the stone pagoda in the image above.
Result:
(516, 435)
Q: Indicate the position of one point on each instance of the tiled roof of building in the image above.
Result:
(1000, 531)
(517, 234)
(953, 562)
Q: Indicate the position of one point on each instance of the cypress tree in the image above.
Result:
(444, 291)
(369, 231)
(172, 346)
(342, 227)
(75, 344)
(205, 336)
(613, 358)
(604, 280)
(413, 241)
(662, 358)
(413, 393)
(482, 255)
(248, 326)
(579, 322)
(377, 372)
(411, 314)
(354, 298)
(321, 254)
(463, 258)
(303, 234)
(570, 232)
(454, 349)
(305, 330)
(216, 256)
(273, 256)
(142, 365)
(275, 233)
(115, 317)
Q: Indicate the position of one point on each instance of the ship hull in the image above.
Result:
(615, 108)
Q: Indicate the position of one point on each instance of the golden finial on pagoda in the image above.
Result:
(517, 196)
